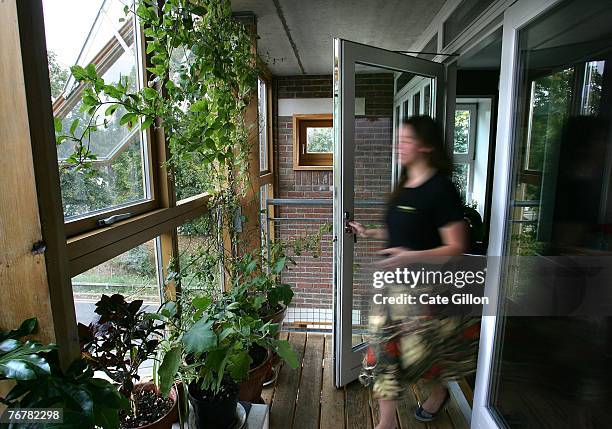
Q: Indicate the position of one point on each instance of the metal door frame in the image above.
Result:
(347, 359)
(516, 17)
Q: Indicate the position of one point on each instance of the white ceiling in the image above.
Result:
(312, 24)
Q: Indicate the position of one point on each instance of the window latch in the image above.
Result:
(112, 219)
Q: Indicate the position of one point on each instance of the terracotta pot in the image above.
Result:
(277, 317)
(172, 416)
(250, 389)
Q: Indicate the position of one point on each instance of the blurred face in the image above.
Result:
(410, 148)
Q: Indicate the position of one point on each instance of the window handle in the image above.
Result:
(112, 219)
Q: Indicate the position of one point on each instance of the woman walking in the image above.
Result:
(424, 222)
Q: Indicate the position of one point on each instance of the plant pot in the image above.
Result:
(250, 389)
(214, 412)
(171, 416)
(277, 317)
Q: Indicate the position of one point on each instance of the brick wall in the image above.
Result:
(312, 278)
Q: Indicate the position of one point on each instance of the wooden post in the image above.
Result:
(33, 263)
(23, 273)
(250, 204)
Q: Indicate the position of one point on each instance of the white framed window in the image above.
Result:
(414, 98)
(464, 148)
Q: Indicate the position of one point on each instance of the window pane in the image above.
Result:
(462, 131)
(416, 104)
(265, 193)
(556, 227)
(550, 99)
(81, 33)
(262, 107)
(461, 175)
(199, 255)
(591, 92)
(427, 100)
(132, 274)
(191, 175)
(319, 140)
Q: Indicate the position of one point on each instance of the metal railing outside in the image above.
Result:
(299, 316)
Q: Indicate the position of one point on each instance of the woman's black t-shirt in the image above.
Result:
(415, 214)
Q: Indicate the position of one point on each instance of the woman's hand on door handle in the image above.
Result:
(361, 231)
(358, 229)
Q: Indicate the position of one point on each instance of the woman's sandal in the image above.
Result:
(425, 416)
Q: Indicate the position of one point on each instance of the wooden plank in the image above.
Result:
(136, 235)
(358, 415)
(405, 411)
(24, 276)
(456, 416)
(332, 399)
(467, 391)
(287, 385)
(43, 147)
(374, 408)
(267, 393)
(161, 220)
(308, 403)
(442, 421)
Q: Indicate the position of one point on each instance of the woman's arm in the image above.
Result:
(454, 242)
(374, 233)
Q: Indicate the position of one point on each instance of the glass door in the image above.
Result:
(546, 346)
(367, 83)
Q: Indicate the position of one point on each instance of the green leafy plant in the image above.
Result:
(210, 341)
(22, 360)
(202, 76)
(120, 340)
(86, 401)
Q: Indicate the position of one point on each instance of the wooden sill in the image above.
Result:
(87, 250)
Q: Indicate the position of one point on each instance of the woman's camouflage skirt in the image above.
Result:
(408, 343)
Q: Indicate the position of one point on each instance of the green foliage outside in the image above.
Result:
(462, 131)
(203, 75)
(58, 75)
(320, 140)
(551, 97)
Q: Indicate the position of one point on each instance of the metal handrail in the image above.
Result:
(319, 202)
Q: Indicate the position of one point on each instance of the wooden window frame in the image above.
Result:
(104, 59)
(266, 78)
(303, 160)
(70, 252)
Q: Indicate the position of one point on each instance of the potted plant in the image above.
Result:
(118, 343)
(202, 76)
(86, 401)
(261, 272)
(209, 349)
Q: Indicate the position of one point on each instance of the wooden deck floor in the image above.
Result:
(305, 398)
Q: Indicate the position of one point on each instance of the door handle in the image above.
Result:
(347, 228)
(347, 219)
